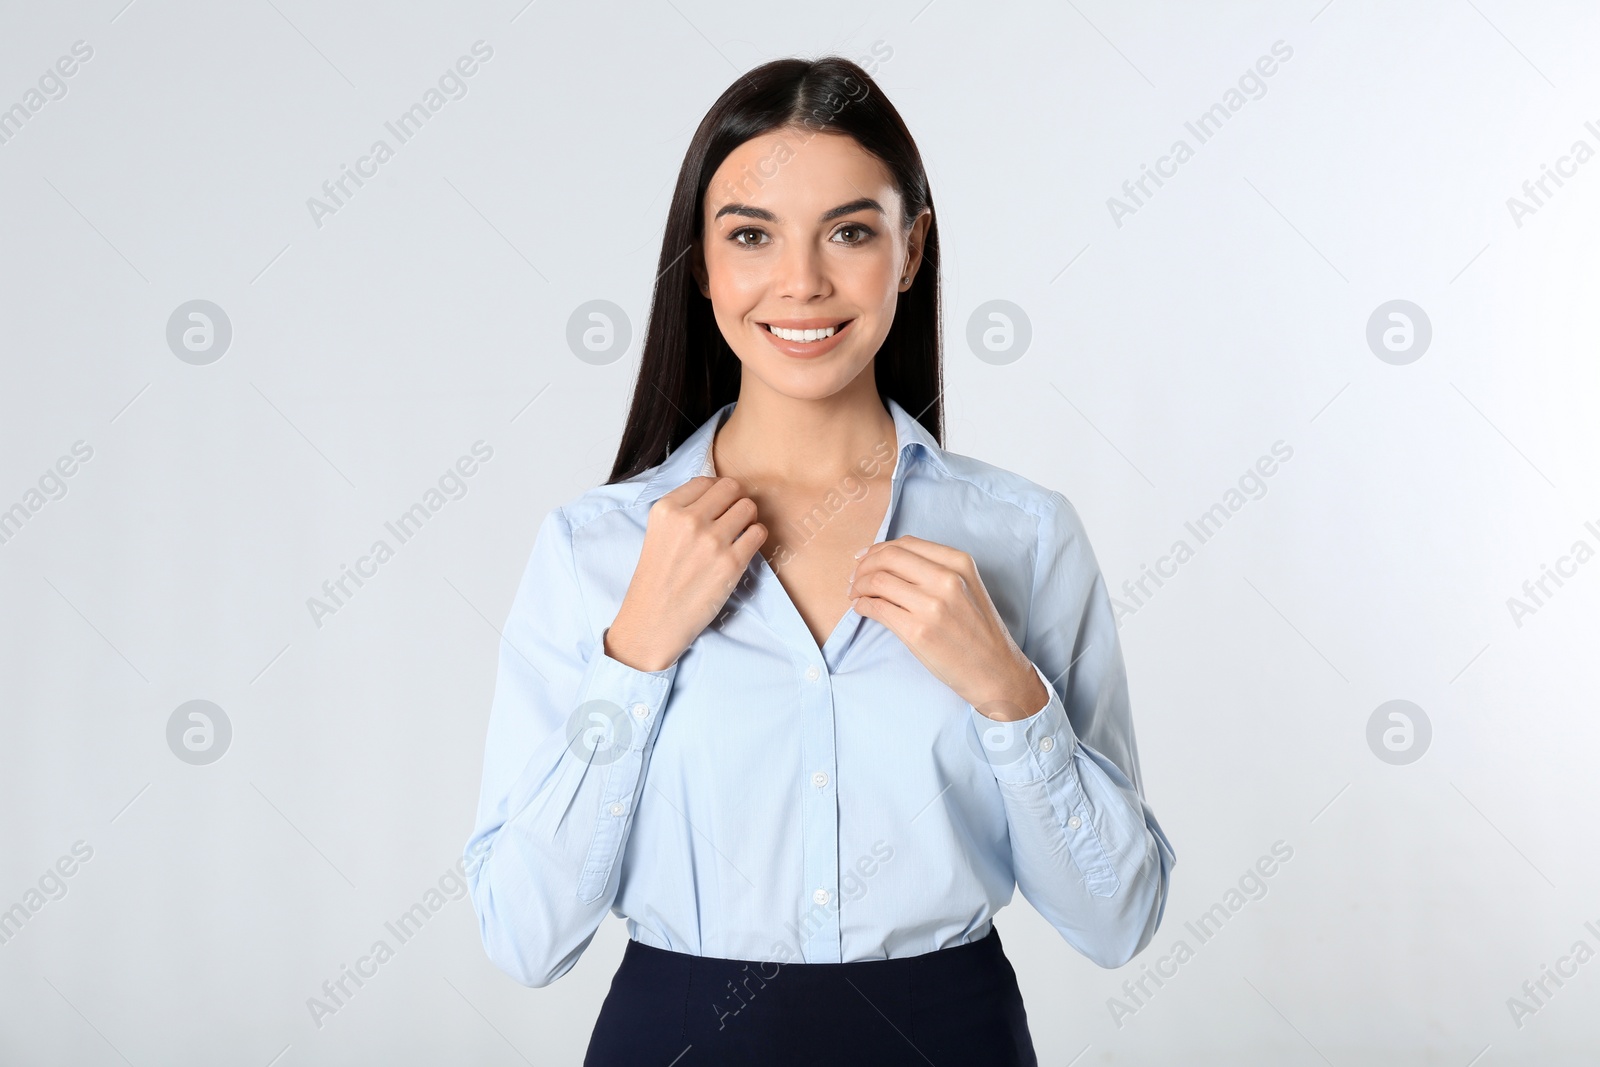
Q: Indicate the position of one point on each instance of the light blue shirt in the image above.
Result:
(765, 799)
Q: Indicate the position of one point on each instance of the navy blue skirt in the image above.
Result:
(955, 1006)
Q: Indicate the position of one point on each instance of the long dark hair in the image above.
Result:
(686, 369)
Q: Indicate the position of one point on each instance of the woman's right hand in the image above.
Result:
(698, 540)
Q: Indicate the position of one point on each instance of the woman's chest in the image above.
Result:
(811, 548)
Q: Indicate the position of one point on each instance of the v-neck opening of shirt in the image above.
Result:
(708, 468)
(844, 625)
(794, 610)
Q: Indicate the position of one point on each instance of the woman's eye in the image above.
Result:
(750, 237)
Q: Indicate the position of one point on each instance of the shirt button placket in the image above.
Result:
(819, 813)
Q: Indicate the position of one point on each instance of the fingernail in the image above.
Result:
(861, 552)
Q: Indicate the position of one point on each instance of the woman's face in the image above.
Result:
(803, 231)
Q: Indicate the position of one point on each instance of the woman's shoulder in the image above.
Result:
(1039, 501)
(618, 500)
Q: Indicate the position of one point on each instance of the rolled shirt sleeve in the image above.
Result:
(569, 737)
(1086, 847)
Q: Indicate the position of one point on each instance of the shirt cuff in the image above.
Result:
(627, 700)
(1031, 749)
(616, 721)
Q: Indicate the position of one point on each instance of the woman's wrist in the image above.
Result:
(621, 645)
(1020, 698)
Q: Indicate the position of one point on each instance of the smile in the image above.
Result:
(806, 336)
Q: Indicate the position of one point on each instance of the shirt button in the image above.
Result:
(819, 779)
(1046, 744)
(616, 809)
(640, 711)
(812, 674)
(1074, 822)
(820, 896)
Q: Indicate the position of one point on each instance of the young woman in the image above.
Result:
(798, 693)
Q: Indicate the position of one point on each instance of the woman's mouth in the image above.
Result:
(806, 336)
(807, 343)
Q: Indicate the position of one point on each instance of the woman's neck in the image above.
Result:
(770, 438)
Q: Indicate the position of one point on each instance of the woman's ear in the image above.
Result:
(697, 265)
(915, 241)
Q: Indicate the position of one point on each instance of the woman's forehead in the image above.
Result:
(791, 170)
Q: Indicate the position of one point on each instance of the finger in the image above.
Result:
(747, 544)
(735, 520)
(898, 560)
(897, 621)
(894, 590)
(689, 491)
(892, 616)
(706, 495)
(722, 503)
(944, 555)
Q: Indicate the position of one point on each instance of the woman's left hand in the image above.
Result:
(931, 597)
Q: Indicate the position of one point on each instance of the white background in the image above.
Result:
(368, 353)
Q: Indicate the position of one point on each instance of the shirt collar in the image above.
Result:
(692, 458)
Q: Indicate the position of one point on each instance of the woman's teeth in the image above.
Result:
(804, 335)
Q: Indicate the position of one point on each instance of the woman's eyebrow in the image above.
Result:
(865, 203)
